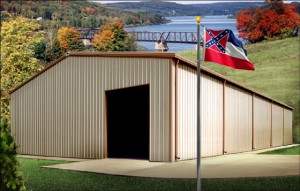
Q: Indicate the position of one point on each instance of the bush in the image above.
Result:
(10, 179)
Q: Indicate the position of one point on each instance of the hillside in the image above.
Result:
(82, 13)
(173, 9)
(277, 70)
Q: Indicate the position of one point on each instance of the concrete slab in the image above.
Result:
(247, 164)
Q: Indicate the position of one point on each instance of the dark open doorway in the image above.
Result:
(128, 123)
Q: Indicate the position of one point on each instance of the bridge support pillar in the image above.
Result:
(161, 45)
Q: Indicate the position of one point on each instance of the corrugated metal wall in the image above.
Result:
(211, 109)
(173, 109)
(288, 127)
(277, 125)
(62, 111)
(187, 107)
(262, 123)
(211, 116)
(246, 114)
(238, 120)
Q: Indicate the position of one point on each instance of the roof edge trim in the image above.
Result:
(125, 54)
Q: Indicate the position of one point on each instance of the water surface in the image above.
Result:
(186, 24)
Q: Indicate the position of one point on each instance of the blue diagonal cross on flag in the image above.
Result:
(218, 40)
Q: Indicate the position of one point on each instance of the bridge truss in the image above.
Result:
(168, 37)
(145, 36)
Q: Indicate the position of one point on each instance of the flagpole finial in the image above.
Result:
(198, 19)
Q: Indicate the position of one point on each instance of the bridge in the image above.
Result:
(168, 37)
(160, 38)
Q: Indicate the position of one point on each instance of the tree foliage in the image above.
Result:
(113, 37)
(274, 20)
(19, 37)
(10, 179)
(69, 39)
(83, 13)
(52, 52)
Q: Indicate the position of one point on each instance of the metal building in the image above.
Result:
(140, 105)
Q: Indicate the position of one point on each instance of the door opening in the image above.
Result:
(128, 122)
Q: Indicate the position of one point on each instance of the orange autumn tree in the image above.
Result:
(113, 37)
(69, 40)
(274, 20)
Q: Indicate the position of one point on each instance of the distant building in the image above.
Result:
(140, 105)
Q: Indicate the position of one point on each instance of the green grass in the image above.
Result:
(286, 151)
(38, 178)
(276, 73)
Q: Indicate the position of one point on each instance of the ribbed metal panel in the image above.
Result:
(238, 120)
(288, 127)
(212, 114)
(62, 111)
(187, 110)
(172, 110)
(262, 123)
(277, 125)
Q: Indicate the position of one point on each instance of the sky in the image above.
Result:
(183, 1)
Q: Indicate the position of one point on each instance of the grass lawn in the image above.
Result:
(286, 151)
(38, 178)
(277, 70)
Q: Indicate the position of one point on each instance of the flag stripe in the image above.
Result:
(226, 60)
(235, 51)
(236, 42)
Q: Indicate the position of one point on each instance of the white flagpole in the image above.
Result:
(198, 19)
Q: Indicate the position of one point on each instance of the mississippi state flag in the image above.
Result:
(222, 47)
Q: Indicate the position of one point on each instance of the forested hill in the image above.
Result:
(174, 9)
(82, 13)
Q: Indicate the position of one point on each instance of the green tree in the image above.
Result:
(18, 38)
(10, 179)
(39, 51)
(53, 52)
(130, 43)
(49, 49)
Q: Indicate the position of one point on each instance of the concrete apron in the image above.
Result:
(247, 164)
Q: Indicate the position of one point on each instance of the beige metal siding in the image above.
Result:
(238, 120)
(288, 127)
(277, 125)
(212, 114)
(262, 123)
(187, 109)
(172, 108)
(62, 111)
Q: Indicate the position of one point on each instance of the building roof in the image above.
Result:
(168, 55)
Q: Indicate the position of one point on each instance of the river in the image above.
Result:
(186, 24)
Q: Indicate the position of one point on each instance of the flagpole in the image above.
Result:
(198, 19)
